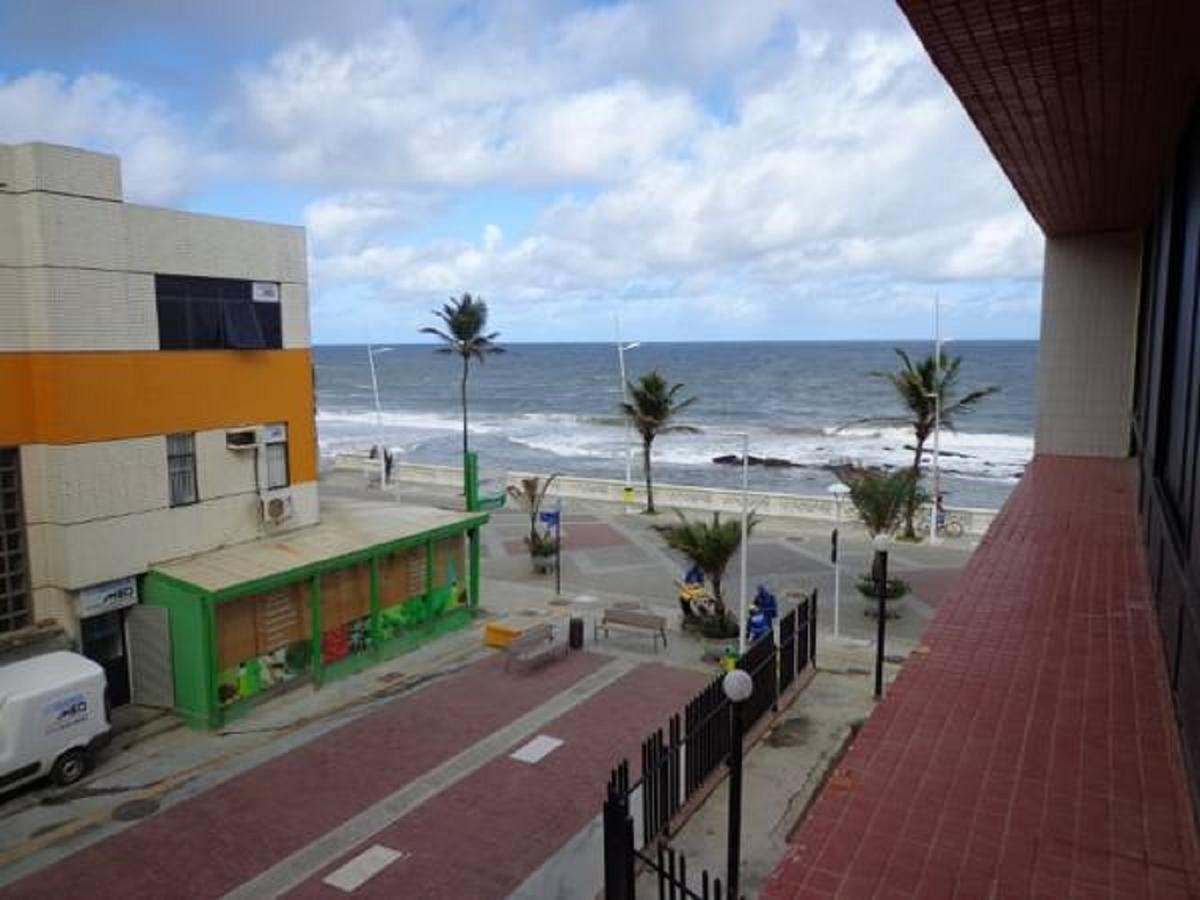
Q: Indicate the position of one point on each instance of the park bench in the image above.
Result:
(535, 645)
(632, 620)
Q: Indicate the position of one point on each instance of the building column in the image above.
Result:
(1088, 346)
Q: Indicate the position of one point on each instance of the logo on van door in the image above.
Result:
(65, 712)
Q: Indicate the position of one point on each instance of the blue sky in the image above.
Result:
(704, 169)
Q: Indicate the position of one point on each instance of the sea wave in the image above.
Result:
(565, 435)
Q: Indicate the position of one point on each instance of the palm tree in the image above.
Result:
(923, 386)
(530, 496)
(652, 407)
(464, 321)
(710, 546)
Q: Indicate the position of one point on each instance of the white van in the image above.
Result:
(53, 716)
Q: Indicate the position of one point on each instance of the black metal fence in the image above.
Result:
(677, 764)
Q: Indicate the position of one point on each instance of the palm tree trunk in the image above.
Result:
(911, 506)
(466, 448)
(649, 480)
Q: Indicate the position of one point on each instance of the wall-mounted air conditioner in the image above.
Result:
(275, 506)
(243, 438)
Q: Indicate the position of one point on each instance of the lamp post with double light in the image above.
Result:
(371, 354)
(839, 492)
(627, 491)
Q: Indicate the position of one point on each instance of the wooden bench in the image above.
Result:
(632, 620)
(535, 645)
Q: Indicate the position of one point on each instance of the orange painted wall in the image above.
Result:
(75, 398)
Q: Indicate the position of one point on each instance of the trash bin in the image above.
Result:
(576, 634)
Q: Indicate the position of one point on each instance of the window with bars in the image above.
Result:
(14, 585)
(181, 468)
(277, 456)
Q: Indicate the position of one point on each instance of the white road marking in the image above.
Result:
(537, 749)
(366, 865)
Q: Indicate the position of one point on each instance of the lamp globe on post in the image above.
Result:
(879, 573)
(738, 686)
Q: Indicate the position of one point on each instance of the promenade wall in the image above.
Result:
(777, 505)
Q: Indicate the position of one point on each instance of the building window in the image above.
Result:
(275, 439)
(181, 468)
(14, 590)
(217, 314)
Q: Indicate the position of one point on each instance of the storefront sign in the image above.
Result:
(102, 598)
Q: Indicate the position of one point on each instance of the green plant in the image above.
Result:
(651, 408)
(896, 587)
(464, 321)
(880, 498)
(718, 627)
(541, 545)
(709, 545)
(927, 389)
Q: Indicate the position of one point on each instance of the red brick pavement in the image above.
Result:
(484, 836)
(215, 841)
(1032, 751)
(579, 536)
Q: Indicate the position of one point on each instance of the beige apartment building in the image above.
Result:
(129, 431)
(158, 457)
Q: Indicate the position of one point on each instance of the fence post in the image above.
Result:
(618, 837)
(812, 629)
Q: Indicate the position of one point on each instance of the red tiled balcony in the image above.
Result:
(1029, 747)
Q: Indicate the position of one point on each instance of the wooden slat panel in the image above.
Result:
(401, 576)
(279, 619)
(345, 596)
(236, 632)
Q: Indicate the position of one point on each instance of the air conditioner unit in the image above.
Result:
(243, 439)
(276, 506)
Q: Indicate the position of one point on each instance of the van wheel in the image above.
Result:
(69, 767)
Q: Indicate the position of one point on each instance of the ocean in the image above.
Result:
(553, 408)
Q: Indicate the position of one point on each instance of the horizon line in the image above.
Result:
(503, 342)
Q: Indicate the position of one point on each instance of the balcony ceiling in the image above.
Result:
(1081, 102)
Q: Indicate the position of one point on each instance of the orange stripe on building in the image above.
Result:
(75, 398)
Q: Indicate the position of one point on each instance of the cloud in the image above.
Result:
(853, 166)
(393, 110)
(101, 112)
(348, 220)
(757, 168)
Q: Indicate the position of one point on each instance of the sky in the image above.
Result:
(701, 169)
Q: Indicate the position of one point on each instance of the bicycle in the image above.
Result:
(949, 525)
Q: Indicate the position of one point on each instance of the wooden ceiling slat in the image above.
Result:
(1080, 101)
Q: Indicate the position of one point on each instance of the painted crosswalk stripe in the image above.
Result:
(537, 749)
(364, 866)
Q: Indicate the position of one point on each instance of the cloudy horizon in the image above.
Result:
(707, 171)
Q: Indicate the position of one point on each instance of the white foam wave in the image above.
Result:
(968, 454)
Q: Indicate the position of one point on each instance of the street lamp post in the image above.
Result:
(745, 548)
(839, 492)
(934, 536)
(371, 352)
(879, 572)
(738, 686)
(627, 493)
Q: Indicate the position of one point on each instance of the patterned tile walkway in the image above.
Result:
(1029, 748)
